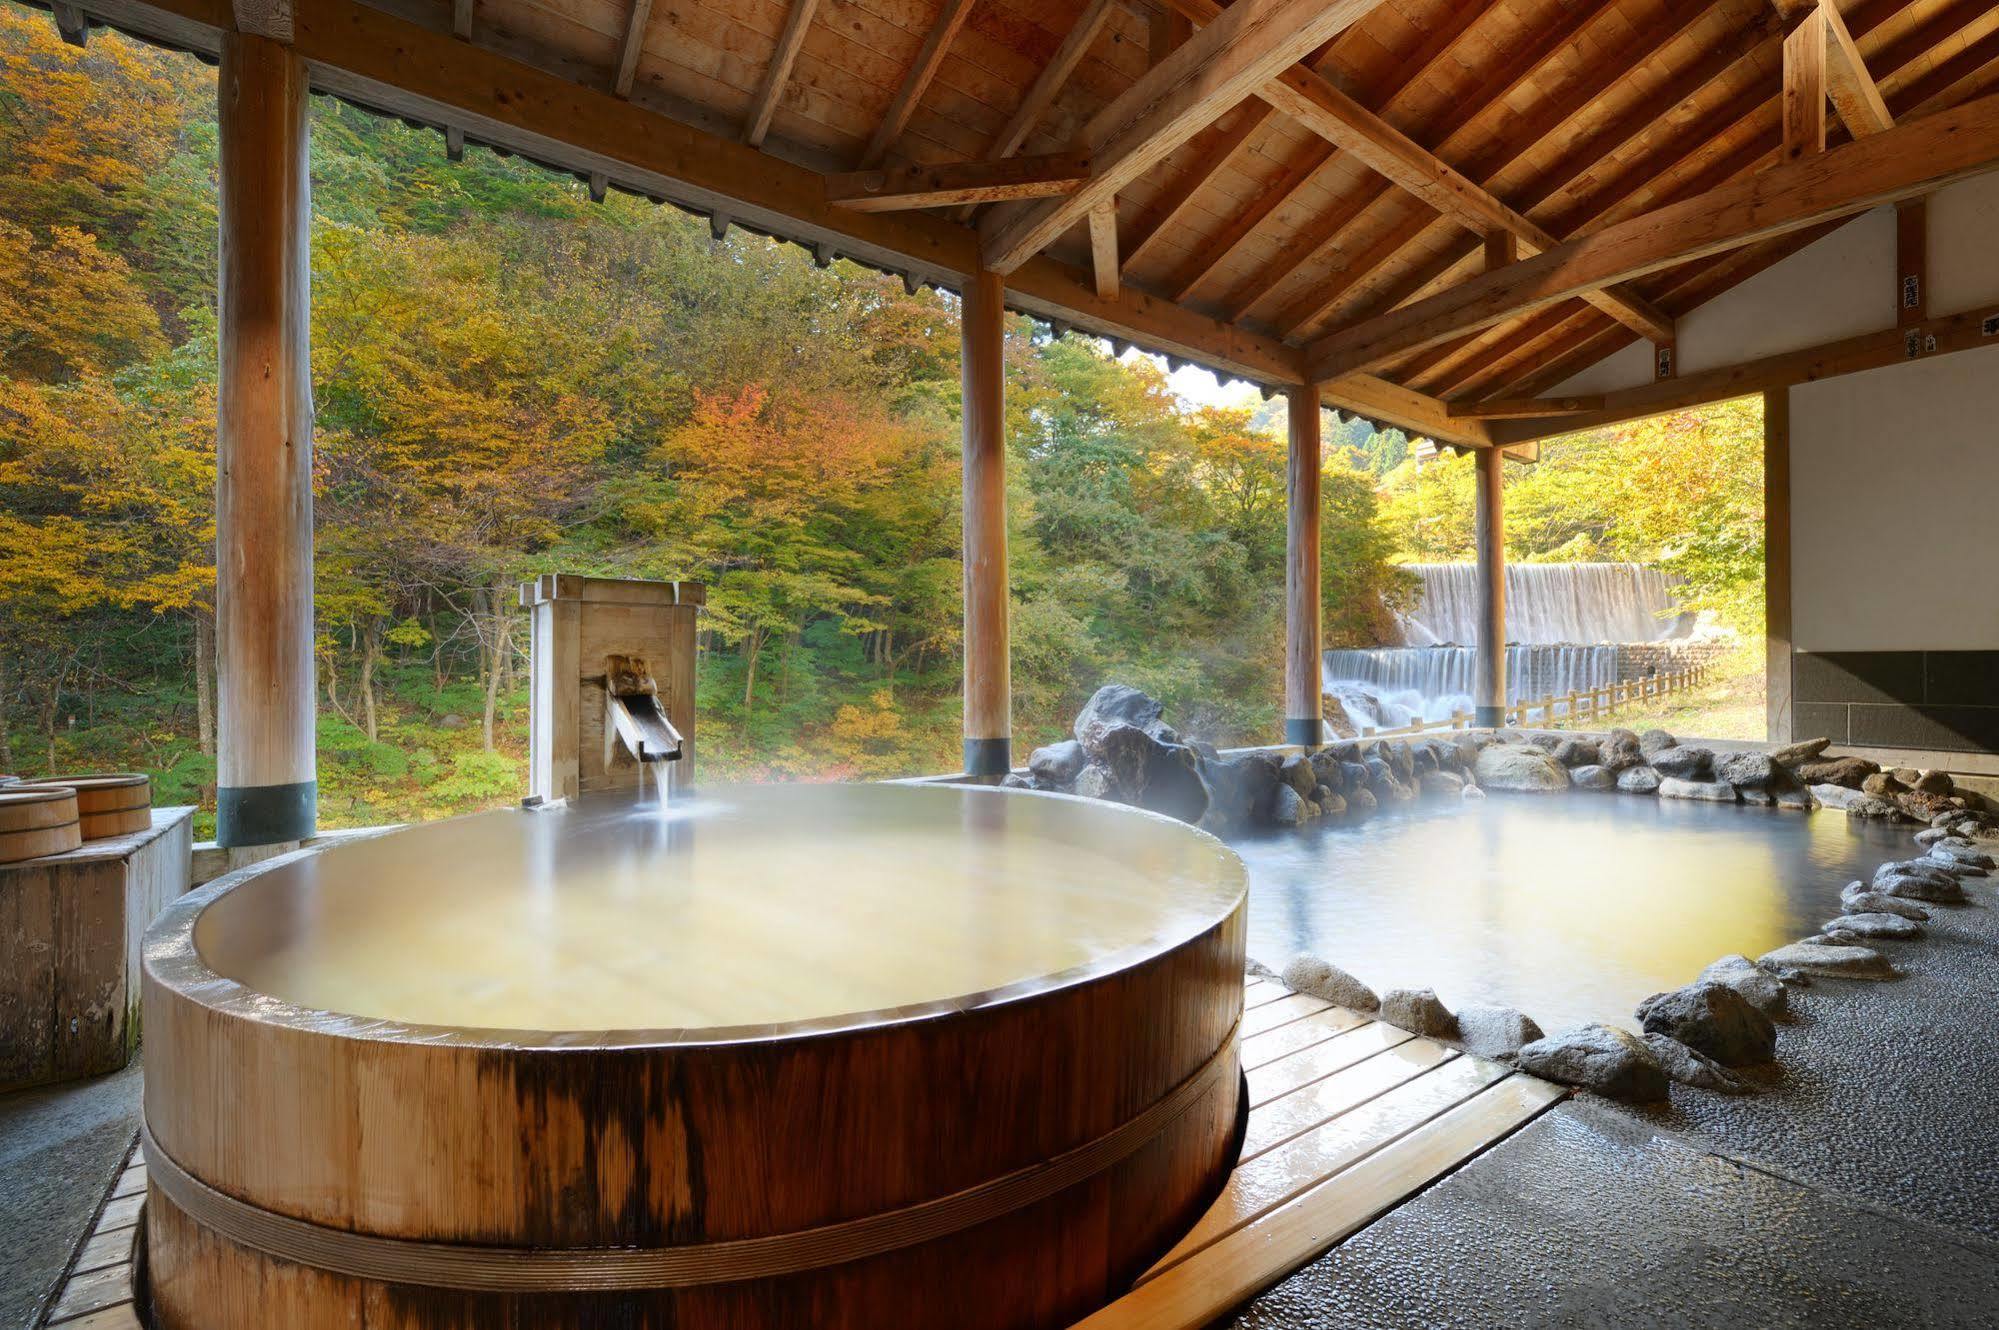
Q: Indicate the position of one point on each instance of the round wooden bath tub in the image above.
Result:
(830, 1056)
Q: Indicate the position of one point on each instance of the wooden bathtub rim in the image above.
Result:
(171, 959)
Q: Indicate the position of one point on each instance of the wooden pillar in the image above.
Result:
(1777, 563)
(268, 791)
(1489, 665)
(988, 677)
(1304, 693)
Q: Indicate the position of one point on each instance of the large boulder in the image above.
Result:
(1858, 898)
(1708, 791)
(1059, 763)
(1883, 785)
(1638, 780)
(1440, 783)
(1934, 782)
(1121, 704)
(1602, 1058)
(1912, 879)
(1871, 809)
(1845, 771)
(1361, 801)
(1288, 807)
(1519, 767)
(1685, 761)
(1959, 851)
(1689, 1066)
(1296, 771)
(1828, 962)
(1324, 980)
(1714, 1019)
(1805, 750)
(1149, 772)
(1748, 771)
(1574, 753)
(1240, 790)
(1418, 1011)
(1871, 924)
(1761, 990)
(1655, 741)
(1496, 1032)
(1095, 781)
(1594, 778)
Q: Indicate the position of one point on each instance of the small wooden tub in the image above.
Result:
(111, 803)
(900, 1056)
(37, 820)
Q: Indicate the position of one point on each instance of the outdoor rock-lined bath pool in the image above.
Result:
(1570, 909)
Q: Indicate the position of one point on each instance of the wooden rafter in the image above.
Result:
(1588, 340)
(777, 74)
(952, 183)
(1525, 408)
(1804, 87)
(1049, 82)
(929, 59)
(1644, 181)
(1852, 89)
(1103, 248)
(1959, 332)
(1160, 219)
(1224, 62)
(1916, 158)
(1314, 102)
(632, 46)
(1217, 250)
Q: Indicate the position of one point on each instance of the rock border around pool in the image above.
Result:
(1123, 750)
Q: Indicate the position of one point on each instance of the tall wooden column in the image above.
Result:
(268, 791)
(1777, 564)
(1489, 673)
(988, 672)
(1304, 693)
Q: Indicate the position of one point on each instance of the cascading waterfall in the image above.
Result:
(1563, 620)
(1548, 603)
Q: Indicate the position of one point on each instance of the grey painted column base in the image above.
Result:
(1304, 731)
(1489, 718)
(266, 814)
(988, 757)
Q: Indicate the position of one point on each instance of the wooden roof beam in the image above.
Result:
(1159, 220)
(1804, 87)
(1525, 408)
(1311, 99)
(630, 49)
(1411, 412)
(1219, 66)
(1853, 90)
(1048, 84)
(1215, 251)
(1916, 158)
(1103, 248)
(777, 74)
(958, 182)
(1935, 32)
(1959, 332)
(929, 59)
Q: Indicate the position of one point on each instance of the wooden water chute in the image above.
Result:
(986, 1161)
(611, 671)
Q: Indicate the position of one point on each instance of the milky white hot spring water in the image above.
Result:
(744, 906)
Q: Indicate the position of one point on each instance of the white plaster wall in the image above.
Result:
(1840, 286)
(1895, 506)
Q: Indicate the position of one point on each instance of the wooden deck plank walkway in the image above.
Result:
(1348, 1118)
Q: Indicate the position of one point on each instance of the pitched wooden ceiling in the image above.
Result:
(1573, 114)
(1424, 141)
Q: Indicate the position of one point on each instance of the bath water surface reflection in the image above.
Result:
(1569, 908)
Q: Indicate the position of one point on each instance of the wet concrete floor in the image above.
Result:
(59, 1146)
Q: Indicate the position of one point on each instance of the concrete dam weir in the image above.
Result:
(1570, 627)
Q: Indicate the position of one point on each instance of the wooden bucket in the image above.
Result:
(37, 820)
(111, 803)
